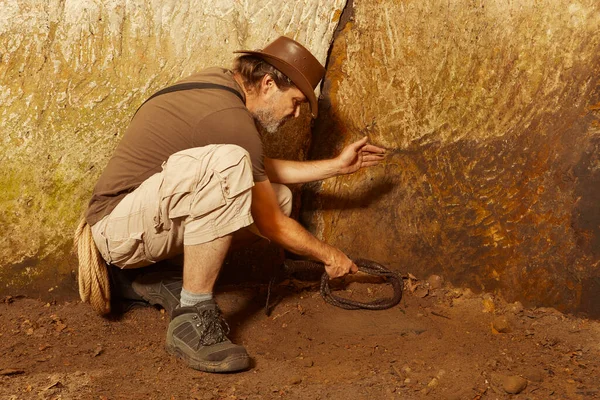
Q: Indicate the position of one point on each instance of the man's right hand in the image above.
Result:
(339, 265)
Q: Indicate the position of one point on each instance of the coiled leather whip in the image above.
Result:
(367, 266)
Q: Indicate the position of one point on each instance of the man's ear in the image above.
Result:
(266, 84)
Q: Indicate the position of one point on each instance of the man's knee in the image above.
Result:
(226, 156)
(234, 169)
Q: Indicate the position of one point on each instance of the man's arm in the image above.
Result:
(354, 157)
(276, 226)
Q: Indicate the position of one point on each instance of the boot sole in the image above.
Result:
(237, 362)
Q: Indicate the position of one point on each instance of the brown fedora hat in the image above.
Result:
(295, 62)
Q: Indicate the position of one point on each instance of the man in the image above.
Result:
(189, 175)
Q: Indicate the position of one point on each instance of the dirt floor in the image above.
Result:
(438, 344)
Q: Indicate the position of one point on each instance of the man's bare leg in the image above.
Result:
(201, 266)
(196, 333)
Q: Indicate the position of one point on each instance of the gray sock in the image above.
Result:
(189, 299)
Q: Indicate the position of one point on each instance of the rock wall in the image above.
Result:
(72, 72)
(490, 113)
(489, 109)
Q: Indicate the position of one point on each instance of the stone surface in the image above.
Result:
(71, 75)
(514, 384)
(435, 282)
(490, 113)
(501, 324)
(515, 307)
(509, 383)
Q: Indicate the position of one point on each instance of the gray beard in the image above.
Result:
(265, 118)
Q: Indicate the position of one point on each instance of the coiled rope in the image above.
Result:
(367, 266)
(94, 283)
(371, 268)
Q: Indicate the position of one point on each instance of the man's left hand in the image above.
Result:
(358, 155)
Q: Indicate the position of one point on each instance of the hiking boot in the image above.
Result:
(161, 288)
(197, 335)
(120, 283)
(122, 296)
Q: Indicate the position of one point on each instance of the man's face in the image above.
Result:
(277, 106)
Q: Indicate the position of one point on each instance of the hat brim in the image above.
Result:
(293, 73)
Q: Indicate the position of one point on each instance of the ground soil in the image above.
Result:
(437, 344)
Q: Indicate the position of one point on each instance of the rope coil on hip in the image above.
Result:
(94, 283)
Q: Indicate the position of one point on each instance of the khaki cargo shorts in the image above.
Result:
(201, 194)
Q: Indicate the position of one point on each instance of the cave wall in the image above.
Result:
(72, 72)
(489, 111)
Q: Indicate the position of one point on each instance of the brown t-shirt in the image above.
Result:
(174, 122)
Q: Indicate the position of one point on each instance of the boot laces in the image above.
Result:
(214, 327)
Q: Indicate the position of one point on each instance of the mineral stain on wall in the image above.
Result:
(489, 114)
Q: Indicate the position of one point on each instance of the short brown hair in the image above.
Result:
(252, 69)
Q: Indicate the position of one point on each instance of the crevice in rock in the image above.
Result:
(346, 16)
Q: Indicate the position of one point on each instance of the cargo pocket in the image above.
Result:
(224, 185)
(236, 178)
(128, 252)
(207, 198)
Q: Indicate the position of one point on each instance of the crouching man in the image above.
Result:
(189, 174)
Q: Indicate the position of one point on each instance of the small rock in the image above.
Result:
(534, 375)
(57, 384)
(435, 282)
(514, 384)
(515, 307)
(97, 351)
(421, 292)
(433, 383)
(549, 310)
(295, 380)
(501, 324)
(488, 306)
(307, 362)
